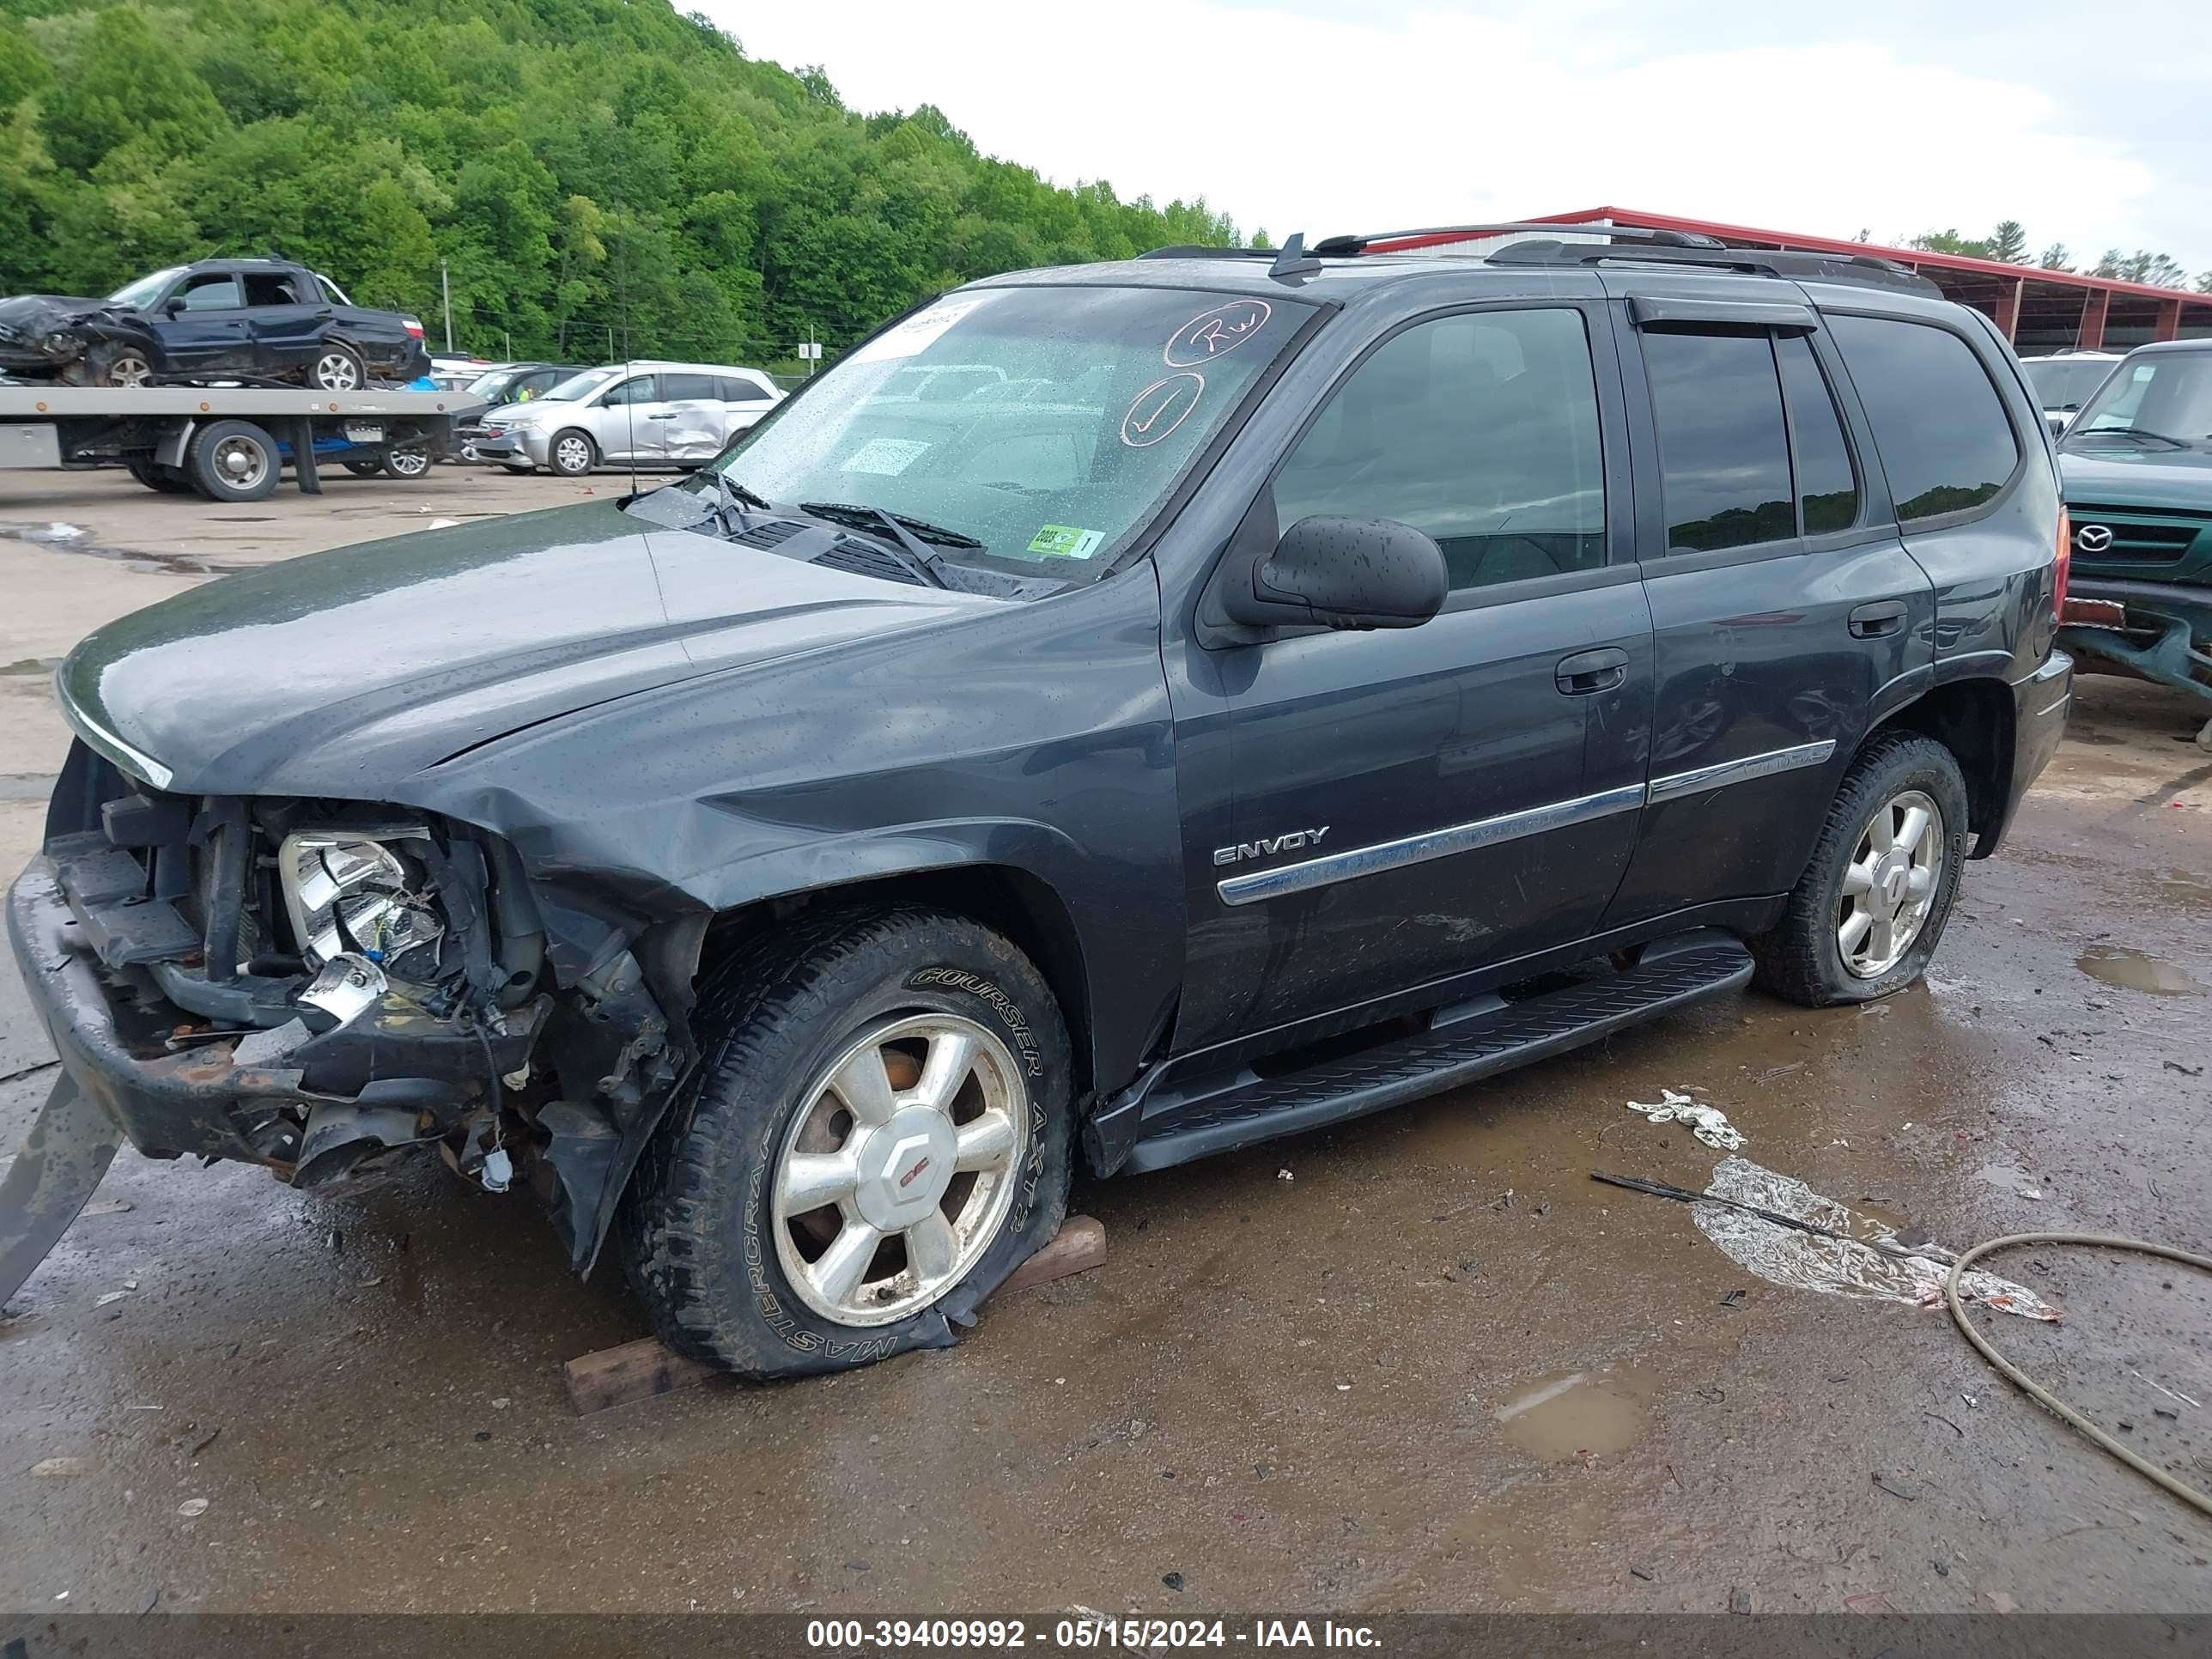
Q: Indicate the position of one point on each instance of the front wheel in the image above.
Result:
(407, 462)
(572, 453)
(1868, 913)
(881, 1132)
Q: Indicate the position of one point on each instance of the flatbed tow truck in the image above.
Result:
(226, 443)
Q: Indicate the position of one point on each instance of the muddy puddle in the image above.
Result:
(71, 538)
(2136, 970)
(1589, 1413)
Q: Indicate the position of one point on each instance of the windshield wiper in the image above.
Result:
(2136, 432)
(734, 498)
(867, 518)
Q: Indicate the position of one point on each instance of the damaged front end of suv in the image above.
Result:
(317, 985)
(78, 342)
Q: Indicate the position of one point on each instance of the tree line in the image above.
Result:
(2009, 242)
(589, 176)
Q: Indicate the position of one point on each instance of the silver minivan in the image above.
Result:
(634, 414)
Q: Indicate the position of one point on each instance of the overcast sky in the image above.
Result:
(1359, 115)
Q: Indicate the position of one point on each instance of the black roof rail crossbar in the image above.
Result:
(1862, 268)
(1344, 244)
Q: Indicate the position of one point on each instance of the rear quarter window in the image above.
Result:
(1940, 426)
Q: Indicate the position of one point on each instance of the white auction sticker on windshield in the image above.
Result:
(886, 457)
(1066, 541)
(916, 331)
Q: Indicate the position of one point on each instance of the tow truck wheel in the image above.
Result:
(338, 368)
(232, 461)
(881, 1132)
(167, 479)
(1867, 914)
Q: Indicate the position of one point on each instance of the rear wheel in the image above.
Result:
(338, 368)
(1868, 911)
(167, 479)
(364, 469)
(407, 462)
(882, 1131)
(232, 461)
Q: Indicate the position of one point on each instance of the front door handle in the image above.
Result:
(1591, 670)
(1871, 621)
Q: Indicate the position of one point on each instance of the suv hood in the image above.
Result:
(2152, 478)
(339, 673)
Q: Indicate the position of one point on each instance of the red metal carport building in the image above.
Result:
(2039, 311)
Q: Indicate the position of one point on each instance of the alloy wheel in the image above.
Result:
(899, 1172)
(129, 369)
(335, 371)
(1890, 884)
(574, 455)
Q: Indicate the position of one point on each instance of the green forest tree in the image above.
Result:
(587, 171)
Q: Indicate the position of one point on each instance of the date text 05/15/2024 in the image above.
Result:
(864, 1637)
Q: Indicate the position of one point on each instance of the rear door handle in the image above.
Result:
(1870, 621)
(1591, 670)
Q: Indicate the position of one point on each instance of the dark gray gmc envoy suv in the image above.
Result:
(1257, 689)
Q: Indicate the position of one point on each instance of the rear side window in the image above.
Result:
(1828, 488)
(1724, 452)
(1481, 429)
(1941, 428)
(687, 388)
(268, 288)
(738, 390)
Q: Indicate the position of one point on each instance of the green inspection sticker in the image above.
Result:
(1065, 541)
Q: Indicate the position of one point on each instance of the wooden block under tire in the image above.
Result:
(641, 1370)
(1077, 1247)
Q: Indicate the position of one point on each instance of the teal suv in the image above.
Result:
(2137, 471)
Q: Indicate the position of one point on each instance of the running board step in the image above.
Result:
(1471, 1040)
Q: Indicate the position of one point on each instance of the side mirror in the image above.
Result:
(1343, 573)
(173, 308)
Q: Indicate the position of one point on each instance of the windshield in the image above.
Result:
(577, 387)
(2067, 382)
(144, 292)
(1061, 417)
(490, 385)
(2162, 397)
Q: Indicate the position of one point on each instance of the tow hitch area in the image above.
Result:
(71, 1145)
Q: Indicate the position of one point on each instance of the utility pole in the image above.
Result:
(445, 289)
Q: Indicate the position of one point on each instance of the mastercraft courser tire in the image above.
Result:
(1803, 958)
(708, 1241)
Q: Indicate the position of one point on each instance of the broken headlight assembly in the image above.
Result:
(366, 894)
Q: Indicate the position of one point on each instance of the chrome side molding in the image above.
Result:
(1358, 861)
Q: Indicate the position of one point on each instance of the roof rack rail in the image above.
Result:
(1339, 246)
(1863, 268)
(1200, 251)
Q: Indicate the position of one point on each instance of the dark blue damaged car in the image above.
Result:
(1237, 693)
